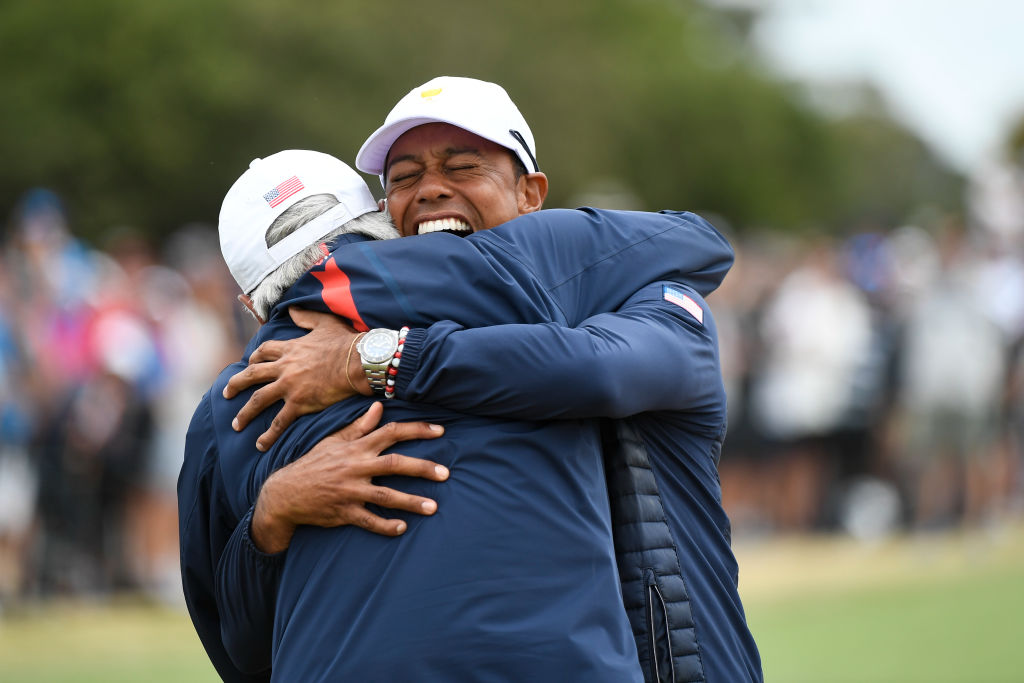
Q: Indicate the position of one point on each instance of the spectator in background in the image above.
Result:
(745, 463)
(48, 277)
(53, 276)
(816, 330)
(94, 444)
(90, 460)
(17, 477)
(189, 304)
(1000, 292)
(954, 370)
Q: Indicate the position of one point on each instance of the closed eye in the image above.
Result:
(401, 177)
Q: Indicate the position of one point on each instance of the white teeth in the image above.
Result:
(444, 224)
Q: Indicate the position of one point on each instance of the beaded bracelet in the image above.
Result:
(389, 387)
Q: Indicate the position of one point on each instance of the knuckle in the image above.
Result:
(337, 439)
(345, 514)
(382, 496)
(390, 461)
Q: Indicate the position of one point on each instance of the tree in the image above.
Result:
(142, 114)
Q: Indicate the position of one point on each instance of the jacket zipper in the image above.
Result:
(650, 632)
(653, 591)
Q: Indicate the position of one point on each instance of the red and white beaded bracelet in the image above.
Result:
(389, 386)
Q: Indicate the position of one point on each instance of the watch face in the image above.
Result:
(378, 346)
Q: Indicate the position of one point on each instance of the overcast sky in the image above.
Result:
(951, 69)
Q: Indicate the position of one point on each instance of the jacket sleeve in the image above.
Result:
(205, 524)
(556, 265)
(659, 351)
(246, 586)
(536, 304)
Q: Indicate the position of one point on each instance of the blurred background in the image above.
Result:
(865, 158)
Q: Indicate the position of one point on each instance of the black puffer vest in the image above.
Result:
(653, 587)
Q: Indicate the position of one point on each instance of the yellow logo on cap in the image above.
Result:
(427, 94)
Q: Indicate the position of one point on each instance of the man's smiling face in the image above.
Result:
(440, 177)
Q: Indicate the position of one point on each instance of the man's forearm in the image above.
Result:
(271, 531)
(651, 355)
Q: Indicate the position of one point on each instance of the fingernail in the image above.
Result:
(260, 447)
(436, 428)
(224, 393)
(400, 528)
(234, 424)
(428, 506)
(441, 471)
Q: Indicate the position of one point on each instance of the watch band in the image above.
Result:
(377, 376)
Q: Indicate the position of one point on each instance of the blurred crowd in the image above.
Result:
(875, 381)
(104, 354)
(875, 385)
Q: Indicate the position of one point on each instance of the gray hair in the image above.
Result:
(376, 225)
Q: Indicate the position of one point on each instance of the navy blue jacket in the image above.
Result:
(533, 604)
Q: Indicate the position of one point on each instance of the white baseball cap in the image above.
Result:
(482, 108)
(270, 187)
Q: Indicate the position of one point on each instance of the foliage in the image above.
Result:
(142, 114)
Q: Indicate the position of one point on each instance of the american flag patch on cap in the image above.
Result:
(283, 191)
(674, 296)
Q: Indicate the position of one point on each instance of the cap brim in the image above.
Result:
(374, 151)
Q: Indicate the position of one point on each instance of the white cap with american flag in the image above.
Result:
(267, 189)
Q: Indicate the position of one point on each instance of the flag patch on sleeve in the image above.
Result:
(674, 296)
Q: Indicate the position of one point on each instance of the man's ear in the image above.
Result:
(533, 190)
(247, 302)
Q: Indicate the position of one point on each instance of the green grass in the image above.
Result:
(822, 610)
(93, 644)
(967, 628)
(946, 609)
